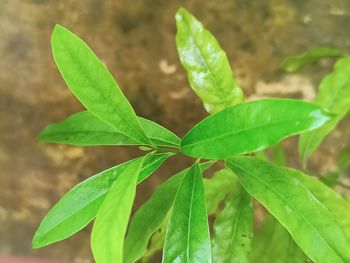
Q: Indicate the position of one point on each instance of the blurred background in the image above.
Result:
(136, 40)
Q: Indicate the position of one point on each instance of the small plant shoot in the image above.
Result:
(307, 220)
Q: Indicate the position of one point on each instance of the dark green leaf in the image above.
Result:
(273, 244)
(344, 160)
(150, 216)
(85, 129)
(187, 236)
(207, 66)
(334, 95)
(294, 63)
(80, 205)
(89, 80)
(250, 127)
(107, 237)
(287, 194)
(233, 228)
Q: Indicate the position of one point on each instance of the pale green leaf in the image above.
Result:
(294, 63)
(150, 216)
(107, 237)
(233, 228)
(85, 129)
(187, 237)
(250, 127)
(299, 209)
(207, 66)
(273, 244)
(79, 206)
(334, 95)
(93, 85)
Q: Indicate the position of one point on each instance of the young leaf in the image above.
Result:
(150, 216)
(334, 95)
(79, 206)
(107, 237)
(207, 66)
(233, 228)
(273, 244)
(294, 63)
(285, 194)
(85, 129)
(243, 128)
(187, 236)
(93, 85)
(217, 188)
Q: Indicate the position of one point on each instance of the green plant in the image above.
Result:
(308, 219)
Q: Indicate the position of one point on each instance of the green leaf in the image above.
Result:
(334, 95)
(150, 216)
(79, 206)
(278, 156)
(294, 63)
(187, 236)
(273, 244)
(285, 194)
(217, 188)
(344, 160)
(207, 66)
(233, 228)
(107, 237)
(250, 127)
(85, 129)
(93, 85)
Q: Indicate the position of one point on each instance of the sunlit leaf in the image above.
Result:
(79, 206)
(299, 209)
(85, 129)
(107, 237)
(187, 236)
(233, 228)
(250, 127)
(334, 95)
(294, 63)
(90, 81)
(207, 66)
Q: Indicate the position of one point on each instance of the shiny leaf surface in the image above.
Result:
(288, 198)
(80, 205)
(207, 66)
(90, 81)
(233, 228)
(334, 95)
(85, 129)
(107, 237)
(273, 244)
(250, 127)
(187, 236)
(294, 63)
(151, 214)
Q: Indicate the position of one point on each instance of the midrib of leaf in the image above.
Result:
(245, 130)
(300, 214)
(234, 236)
(219, 88)
(82, 69)
(190, 218)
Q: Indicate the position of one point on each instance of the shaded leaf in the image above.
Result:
(187, 236)
(233, 228)
(79, 206)
(107, 237)
(273, 244)
(243, 128)
(207, 66)
(85, 129)
(151, 214)
(90, 81)
(285, 194)
(294, 63)
(334, 95)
